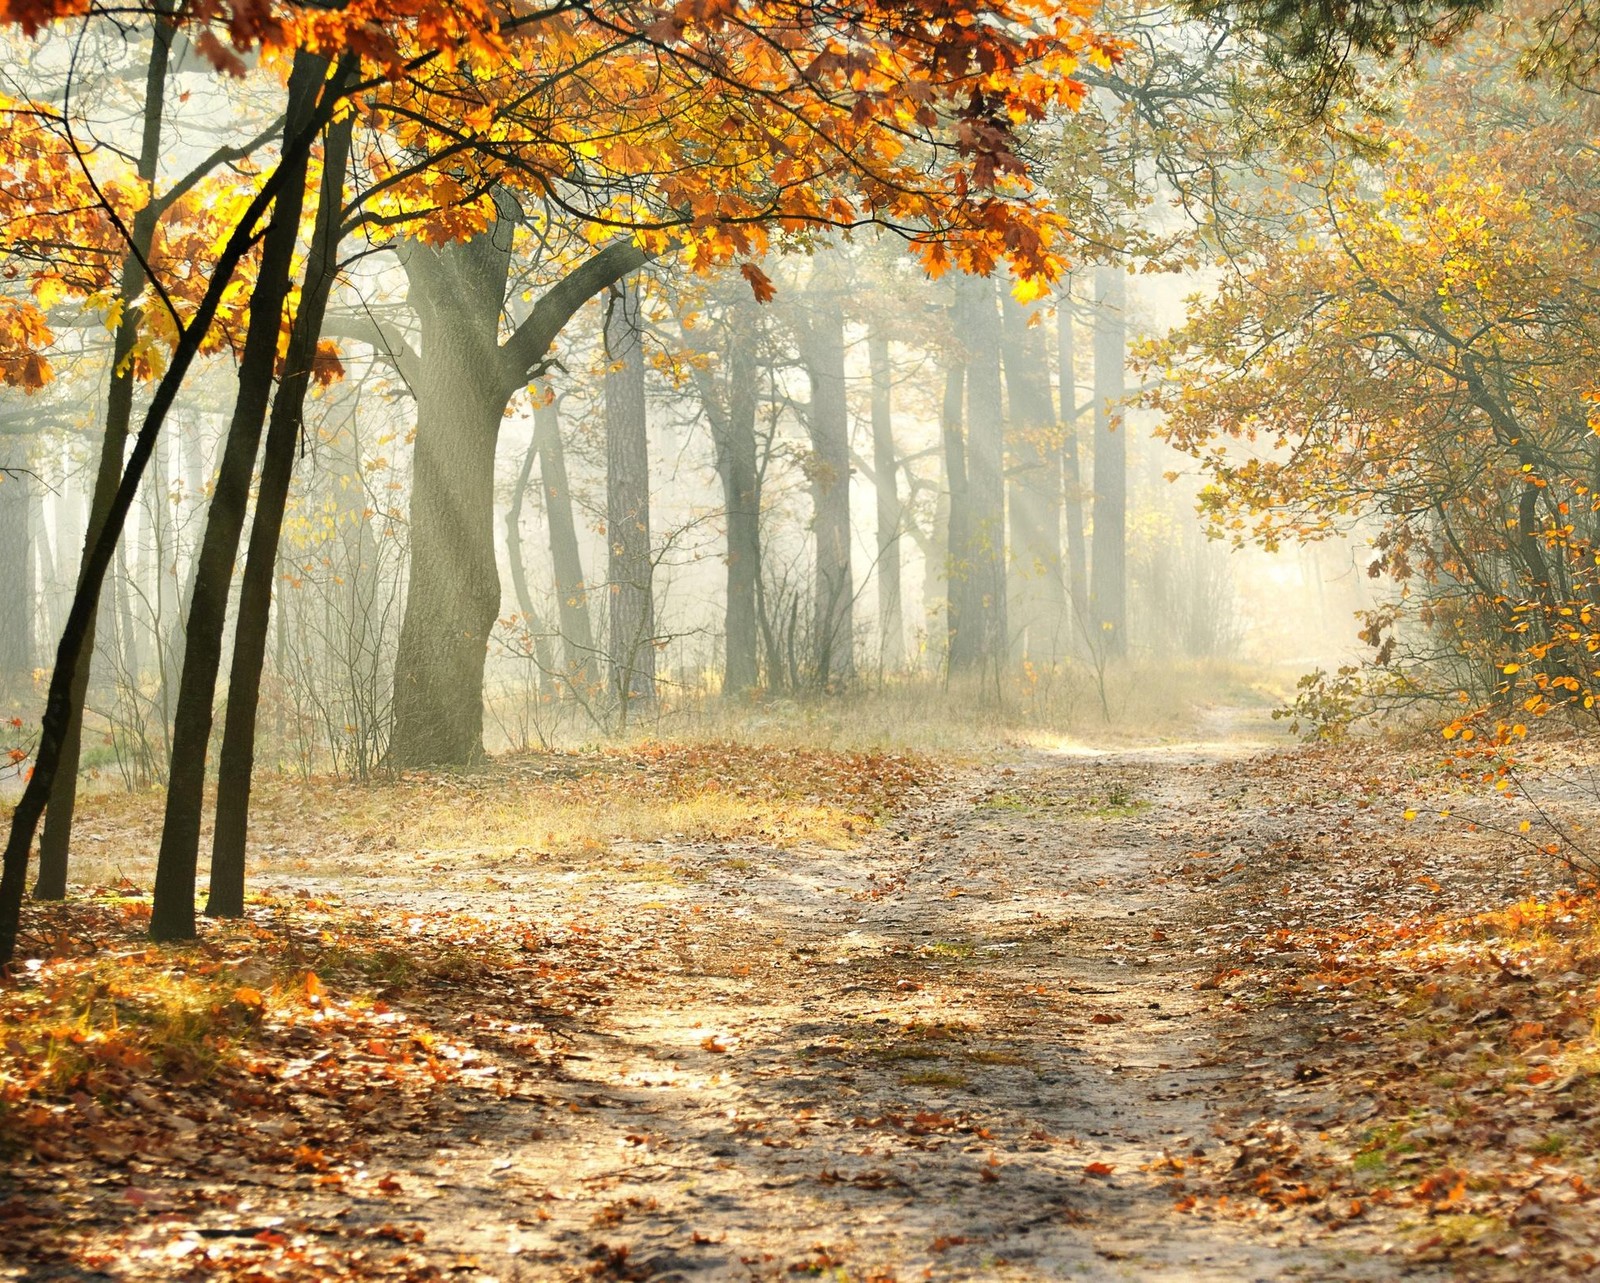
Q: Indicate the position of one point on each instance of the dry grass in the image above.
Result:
(558, 806)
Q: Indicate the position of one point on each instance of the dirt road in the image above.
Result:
(981, 1045)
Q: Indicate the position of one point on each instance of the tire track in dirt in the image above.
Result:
(973, 1047)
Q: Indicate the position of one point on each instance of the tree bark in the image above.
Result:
(833, 600)
(16, 564)
(1071, 468)
(1108, 587)
(453, 598)
(957, 572)
(981, 638)
(730, 408)
(630, 563)
(532, 621)
(464, 379)
(566, 558)
(172, 913)
(237, 761)
(1039, 602)
(886, 472)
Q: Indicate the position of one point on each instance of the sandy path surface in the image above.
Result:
(979, 1045)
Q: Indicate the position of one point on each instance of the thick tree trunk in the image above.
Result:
(454, 595)
(566, 558)
(237, 761)
(833, 601)
(1108, 587)
(172, 914)
(886, 471)
(1071, 467)
(464, 380)
(982, 636)
(630, 564)
(1038, 605)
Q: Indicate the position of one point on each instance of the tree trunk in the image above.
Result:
(237, 761)
(1108, 587)
(982, 634)
(1039, 602)
(959, 648)
(833, 600)
(42, 563)
(454, 595)
(25, 816)
(566, 558)
(532, 621)
(731, 411)
(172, 915)
(1071, 468)
(16, 565)
(630, 563)
(886, 470)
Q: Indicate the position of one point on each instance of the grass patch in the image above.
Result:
(935, 1078)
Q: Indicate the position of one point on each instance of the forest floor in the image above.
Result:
(1222, 1010)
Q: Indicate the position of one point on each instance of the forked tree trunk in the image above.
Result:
(172, 910)
(630, 564)
(1108, 587)
(730, 408)
(532, 621)
(453, 598)
(237, 762)
(566, 557)
(464, 382)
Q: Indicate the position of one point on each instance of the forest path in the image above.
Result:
(979, 1045)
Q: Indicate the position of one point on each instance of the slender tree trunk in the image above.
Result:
(731, 411)
(1039, 603)
(1071, 467)
(172, 912)
(1108, 586)
(985, 599)
(454, 595)
(566, 558)
(25, 816)
(630, 565)
(532, 620)
(237, 761)
(42, 564)
(886, 469)
(16, 564)
(833, 601)
(55, 842)
(959, 648)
